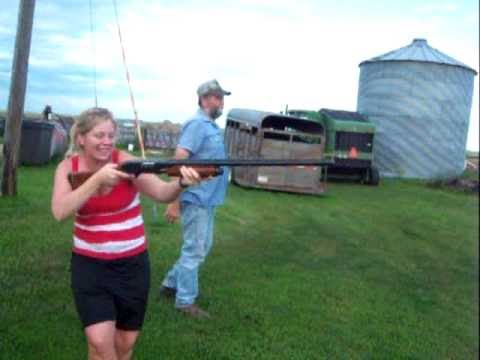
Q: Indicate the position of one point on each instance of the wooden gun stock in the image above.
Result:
(78, 179)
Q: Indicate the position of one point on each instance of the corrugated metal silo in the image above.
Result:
(420, 101)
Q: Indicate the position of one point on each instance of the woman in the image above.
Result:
(110, 266)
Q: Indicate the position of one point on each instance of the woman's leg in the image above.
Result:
(101, 341)
(124, 342)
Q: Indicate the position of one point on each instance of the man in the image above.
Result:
(47, 113)
(201, 138)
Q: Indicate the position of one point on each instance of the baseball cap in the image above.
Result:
(211, 87)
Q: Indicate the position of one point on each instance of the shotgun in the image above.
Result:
(204, 167)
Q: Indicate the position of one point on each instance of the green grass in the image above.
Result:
(388, 272)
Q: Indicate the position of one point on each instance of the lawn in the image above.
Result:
(360, 273)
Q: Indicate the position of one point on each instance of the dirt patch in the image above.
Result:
(465, 185)
(472, 164)
(469, 185)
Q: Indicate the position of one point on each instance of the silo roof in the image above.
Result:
(343, 115)
(420, 51)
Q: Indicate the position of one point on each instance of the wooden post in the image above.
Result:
(16, 100)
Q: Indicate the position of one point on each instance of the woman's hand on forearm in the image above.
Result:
(108, 175)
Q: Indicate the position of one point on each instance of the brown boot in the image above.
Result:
(167, 292)
(194, 311)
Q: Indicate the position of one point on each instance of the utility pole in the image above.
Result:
(16, 100)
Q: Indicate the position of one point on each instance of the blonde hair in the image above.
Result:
(85, 122)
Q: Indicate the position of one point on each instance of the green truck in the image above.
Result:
(349, 138)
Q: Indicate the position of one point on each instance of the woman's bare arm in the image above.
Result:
(65, 201)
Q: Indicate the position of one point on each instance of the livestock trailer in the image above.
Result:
(252, 134)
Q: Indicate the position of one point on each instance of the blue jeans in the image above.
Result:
(197, 223)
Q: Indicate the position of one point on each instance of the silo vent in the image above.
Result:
(419, 42)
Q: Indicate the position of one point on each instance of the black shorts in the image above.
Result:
(111, 290)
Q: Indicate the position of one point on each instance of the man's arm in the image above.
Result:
(172, 213)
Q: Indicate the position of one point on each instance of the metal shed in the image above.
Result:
(252, 134)
(420, 101)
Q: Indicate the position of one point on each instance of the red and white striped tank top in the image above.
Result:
(110, 226)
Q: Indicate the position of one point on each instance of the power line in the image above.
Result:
(132, 99)
(92, 42)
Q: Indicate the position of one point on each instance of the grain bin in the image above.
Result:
(420, 101)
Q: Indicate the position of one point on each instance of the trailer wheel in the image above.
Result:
(373, 176)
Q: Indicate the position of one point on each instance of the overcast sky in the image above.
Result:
(269, 53)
